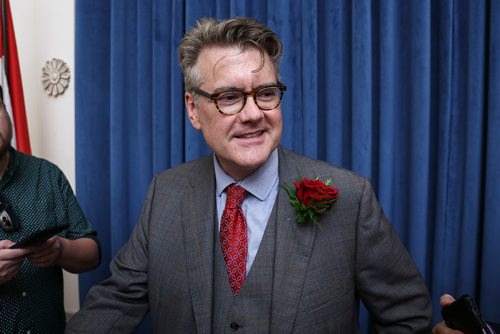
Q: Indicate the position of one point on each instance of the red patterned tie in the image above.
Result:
(233, 237)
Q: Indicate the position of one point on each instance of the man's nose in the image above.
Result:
(251, 110)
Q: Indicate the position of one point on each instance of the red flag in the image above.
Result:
(11, 82)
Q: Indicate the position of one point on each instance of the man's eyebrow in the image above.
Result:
(226, 89)
(234, 88)
(271, 84)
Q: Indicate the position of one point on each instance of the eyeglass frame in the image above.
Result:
(215, 96)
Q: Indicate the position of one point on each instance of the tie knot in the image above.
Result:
(235, 195)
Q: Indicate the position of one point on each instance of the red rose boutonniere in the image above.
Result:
(311, 198)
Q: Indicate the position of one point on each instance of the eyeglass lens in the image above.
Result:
(266, 98)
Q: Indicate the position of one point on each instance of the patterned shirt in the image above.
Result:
(41, 197)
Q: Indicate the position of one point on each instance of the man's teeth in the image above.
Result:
(251, 135)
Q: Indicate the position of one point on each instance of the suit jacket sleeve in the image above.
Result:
(388, 281)
(118, 304)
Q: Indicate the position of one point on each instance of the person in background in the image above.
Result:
(254, 238)
(35, 195)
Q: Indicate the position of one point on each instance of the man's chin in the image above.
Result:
(251, 164)
(241, 168)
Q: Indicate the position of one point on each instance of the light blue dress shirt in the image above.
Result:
(262, 188)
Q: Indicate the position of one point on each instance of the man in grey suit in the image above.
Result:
(297, 277)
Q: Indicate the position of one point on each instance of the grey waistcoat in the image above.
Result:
(250, 311)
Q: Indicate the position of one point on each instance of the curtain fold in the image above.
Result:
(92, 126)
(403, 92)
(489, 272)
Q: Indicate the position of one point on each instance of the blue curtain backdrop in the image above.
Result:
(404, 92)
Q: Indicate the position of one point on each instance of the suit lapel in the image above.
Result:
(198, 230)
(294, 244)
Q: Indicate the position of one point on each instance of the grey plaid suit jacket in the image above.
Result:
(320, 274)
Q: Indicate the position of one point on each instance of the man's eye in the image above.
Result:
(267, 94)
(229, 98)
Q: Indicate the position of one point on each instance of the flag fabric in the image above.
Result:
(11, 82)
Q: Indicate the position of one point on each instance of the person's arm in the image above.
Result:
(77, 249)
(388, 280)
(79, 255)
(119, 303)
(74, 256)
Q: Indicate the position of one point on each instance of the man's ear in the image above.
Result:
(192, 110)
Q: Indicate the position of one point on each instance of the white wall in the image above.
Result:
(45, 30)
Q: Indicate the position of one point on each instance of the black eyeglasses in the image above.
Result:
(8, 219)
(233, 101)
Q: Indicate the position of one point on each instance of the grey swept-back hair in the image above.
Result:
(239, 31)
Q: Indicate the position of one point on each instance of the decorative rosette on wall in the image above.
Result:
(55, 77)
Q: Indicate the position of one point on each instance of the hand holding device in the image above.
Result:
(463, 314)
(39, 236)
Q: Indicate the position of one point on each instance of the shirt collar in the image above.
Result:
(259, 184)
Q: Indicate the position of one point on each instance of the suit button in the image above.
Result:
(234, 326)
